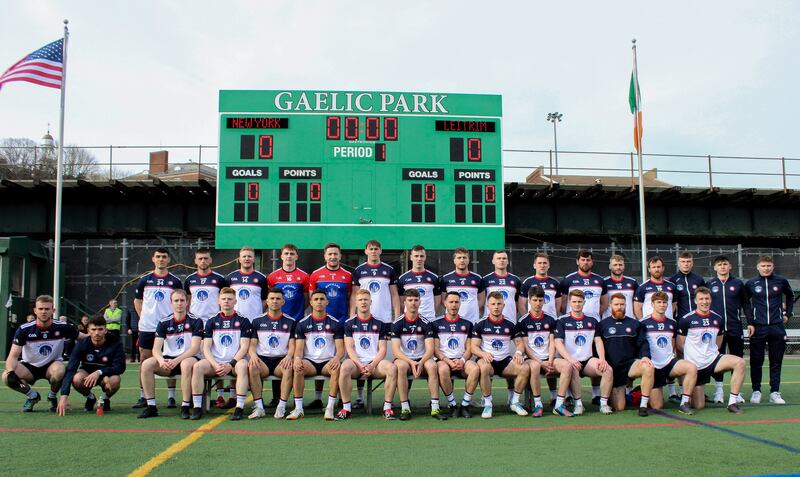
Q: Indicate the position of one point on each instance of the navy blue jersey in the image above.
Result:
(154, 290)
(42, 346)
(552, 290)
(294, 286)
(412, 335)
(427, 284)
(495, 336)
(109, 359)
(251, 291)
(453, 336)
(538, 332)
(645, 292)
(367, 335)
(178, 335)
(624, 340)
(701, 331)
(727, 299)
(591, 285)
(508, 285)
(577, 334)
(468, 287)
(685, 287)
(320, 337)
(273, 335)
(225, 333)
(204, 293)
(766, 295)
(626, 286)
(661, 337)
(377, 279)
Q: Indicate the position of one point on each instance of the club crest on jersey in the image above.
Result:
(547, 298)
(538, 342)
(463, 295)
(374, 287)
(273, 342)
(774, 288)
(374, 327)
(715, 289)
(421, 292)
(45, 350)
(627, 330)
(104, 359)
(613, 331)
(679, 287)
(580, 340)
(320, 342)
(588, 294)
(472, 282)
(158, 295)
(463, 328)
(255, 280)
(332, 293)
(365, 343)
(706, 338)
(235, 324)
(226, 341)
(244, 294)
(546, 326)
(732, 288)
(285, 326)
(90, 357)
(411, 345)
(57, 334)
(169, 283)
(452, 343)
(497, 345)
(202, 295)
(288, 293)
(186, 326)
(662, 342)
(758, 289)
(214, 281)
(179, 343)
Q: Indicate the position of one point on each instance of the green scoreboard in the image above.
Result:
(311, 167)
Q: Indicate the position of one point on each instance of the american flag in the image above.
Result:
(44, 67)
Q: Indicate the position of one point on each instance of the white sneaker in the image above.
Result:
(517, 407)
(739, 399)
(295, 415)
(329, 413)
(606, 409)
(578, 408)
(755, 398)
(280, 412)
(719, 396)
(257, 413)
(487, 412)
(776, 398)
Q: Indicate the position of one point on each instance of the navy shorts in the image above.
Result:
(319, 366)
(662, 375)
(704, 375)
(174, 371)
(500, 366)
(38, 372)
(146, 339)
(583, 366)
(621, 373)
(272, 363)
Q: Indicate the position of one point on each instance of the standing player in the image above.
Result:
(365, 343)
(294, 283)
(591, 284)
(271, 353)
(628, 352)
(101, 359)
(380, 280)
(152, 305)
(413, 347)
(551, 286)
(618, 283)
(249, 284)
(727, 298)
(336, 282)
(451, 347)
(536, 336)
(491, 343)
(40, 344)
(642, 306)
(175, 351)
(770, 306)
(686, 284)
(506, 283)
(318, 352)
(467, 284)
(424, 281)
(661, 332)
(575, 333)
(699, 339)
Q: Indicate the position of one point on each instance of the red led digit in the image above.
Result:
(252, 191)
(489, 195)
(333, 130)
(351, 127)
(474, 149)
(265, 147)
(373, 129)
(316, 191)
(430, 192)
(390, 129)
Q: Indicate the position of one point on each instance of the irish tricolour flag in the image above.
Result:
(635, 100)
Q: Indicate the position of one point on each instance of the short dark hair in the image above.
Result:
(659, 295)
(496, 295)
(765, 258)
(583, 253)
(332, 245)
(452, 293)
(44, 299)
(459, 251)
(541, 255)
(97, 320)
(318, 291)
(372, 243)
(536, 292)
(202, 251)
(721, 258)
(289, 246)
(275, 290)
(686, 254)
(703, 290)
(160, 250)
(577, 292)
(654, 259)
(411, 292)
(417, 248)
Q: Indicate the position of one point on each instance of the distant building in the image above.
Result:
(650, 179)
(161, 169)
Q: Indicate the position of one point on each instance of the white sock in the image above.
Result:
(451, 400)
(31, 393)
(434, 404)
(537, 401)
(281, 405)
(361, 394)
(578, 402)
(487, 400)
(332, 401)
(347, 407)
(259, 403)
(718, 386)
(559, 401)
(240, 398)
(298, 403)
(387, 405)
(220, 393)
(514, 397)
(141, 393)
(197, 401)
(671, 387)
(405, 406)
(151, 402)
(603, 401)
(733, 399)
(171, 393)
(645, 400)
(467, 399)
(685, 398)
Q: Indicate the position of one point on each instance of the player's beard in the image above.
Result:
(618, 315)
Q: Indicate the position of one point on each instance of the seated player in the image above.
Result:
(175, 350)
(660, 332)
(365, 343)
(96, 360)
(699, 337)
(628, 353)
(536, 337)
(451, 335)
(318, 352)
(271, 353)
(412, 347)
(226, 340)
(40, 344)
(575, 333)
(491, 343)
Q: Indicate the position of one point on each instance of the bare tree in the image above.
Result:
(21, 158)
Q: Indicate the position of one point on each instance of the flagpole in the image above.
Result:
(60, 180)
(642, 224)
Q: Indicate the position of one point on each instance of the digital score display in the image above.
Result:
(312, 167)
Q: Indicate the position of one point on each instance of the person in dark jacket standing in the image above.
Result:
(686, 283)
(769, 307)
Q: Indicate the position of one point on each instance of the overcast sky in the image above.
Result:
(717, 77)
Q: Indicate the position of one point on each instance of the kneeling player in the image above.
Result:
(412, 347)
(699, 336)
(628, 353)
(365, 344)
(535, 335)
(101, 359)
(575, 333)
(451, 335)
(175, 351)
(660, 332)
(491, 342)
(40, 344)
(226, 341)
(271, 353)
(318, 352)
